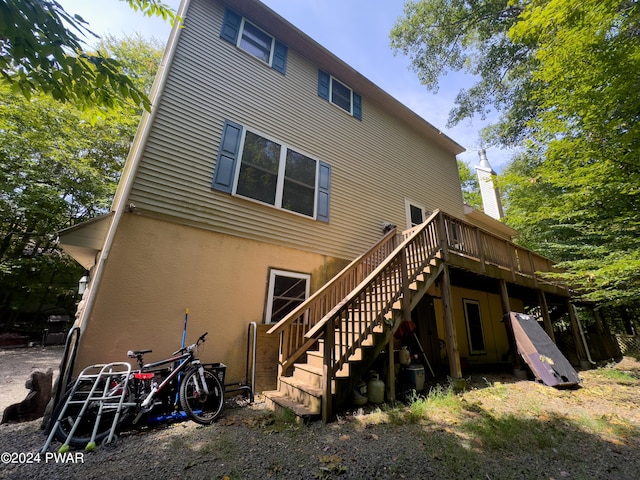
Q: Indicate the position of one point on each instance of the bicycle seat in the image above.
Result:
(136, 353)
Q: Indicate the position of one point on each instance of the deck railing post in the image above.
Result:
(442, 236)
(480, 247)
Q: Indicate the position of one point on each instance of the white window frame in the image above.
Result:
(281, 174)
(331, 80)
(239, 41)
(472, 351)
(408, 203)
(273, 273)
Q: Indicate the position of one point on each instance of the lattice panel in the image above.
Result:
(629, 344)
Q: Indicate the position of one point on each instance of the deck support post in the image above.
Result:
(506, 310)
(577, 337)
(455, 370)
(391, 377)
(546, 318)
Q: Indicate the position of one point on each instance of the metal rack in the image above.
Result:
(102, 386)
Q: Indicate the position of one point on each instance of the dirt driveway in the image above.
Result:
(16, 364)
(501, 428)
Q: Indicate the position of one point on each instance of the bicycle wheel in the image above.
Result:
(201, 407)
(82, 434)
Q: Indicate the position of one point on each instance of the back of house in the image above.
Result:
(266, 166)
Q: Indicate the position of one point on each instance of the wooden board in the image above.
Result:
(545, 360)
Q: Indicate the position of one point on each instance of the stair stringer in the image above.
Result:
(358, 369)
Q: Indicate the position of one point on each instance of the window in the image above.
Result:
(253, 40)
(339, 94)
(256, 42)
(262, 169)
(415, 213)
(287, 290)
(475, 334)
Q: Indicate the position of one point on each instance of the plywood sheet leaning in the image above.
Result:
(545, 360)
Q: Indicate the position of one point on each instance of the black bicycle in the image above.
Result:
(98, 404)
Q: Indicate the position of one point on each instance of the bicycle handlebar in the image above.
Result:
(193, 346)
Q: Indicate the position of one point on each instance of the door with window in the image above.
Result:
(287, 290)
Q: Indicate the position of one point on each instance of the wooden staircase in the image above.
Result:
(359, 325)
(331, 340)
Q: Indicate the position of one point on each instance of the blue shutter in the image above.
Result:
(357, 106)
(324, 186)
(323, 84)
(231, 26)
(227, 157)
(280, 57)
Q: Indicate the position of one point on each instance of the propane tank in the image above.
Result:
(404, 356)
(375, 388)
(359, 394)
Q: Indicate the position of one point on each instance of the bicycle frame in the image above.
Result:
(176, 371)
(184, 360)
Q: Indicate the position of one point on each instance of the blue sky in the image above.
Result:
(357, 31)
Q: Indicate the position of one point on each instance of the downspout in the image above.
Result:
(133, 162)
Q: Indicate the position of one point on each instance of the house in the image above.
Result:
(272, 183)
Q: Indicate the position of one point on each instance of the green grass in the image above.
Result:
(616, 375)
(439, 398)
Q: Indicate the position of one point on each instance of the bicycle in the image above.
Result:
(97, 404)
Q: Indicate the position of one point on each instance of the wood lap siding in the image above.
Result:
(375, 163)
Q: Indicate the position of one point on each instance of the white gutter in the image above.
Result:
(133, 162)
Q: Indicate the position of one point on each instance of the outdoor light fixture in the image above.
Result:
(387, 227)
(82, 284)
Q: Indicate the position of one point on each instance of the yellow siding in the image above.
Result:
(376, 162)
(158, 269)
(495, 334)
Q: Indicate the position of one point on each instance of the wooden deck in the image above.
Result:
(371, 297)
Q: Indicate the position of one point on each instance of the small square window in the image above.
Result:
(340, 95)
(252, 39)
(256, 42)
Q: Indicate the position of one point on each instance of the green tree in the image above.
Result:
(58, 166)
(470, 186)
(561, 75)
(42, 50)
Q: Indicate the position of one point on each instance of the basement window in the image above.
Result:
(287, 290)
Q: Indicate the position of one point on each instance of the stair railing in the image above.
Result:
(298, 322)
(352, 320)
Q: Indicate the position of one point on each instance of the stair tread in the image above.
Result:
(309, 368)
(303, 386)
(285, 401)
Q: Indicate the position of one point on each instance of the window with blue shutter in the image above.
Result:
(339, 94)
(357, 106)
(267, 171)
(279, 61)
(324, 186)
(253, 40)
(231, 26)
(324, 84)
(227, 157)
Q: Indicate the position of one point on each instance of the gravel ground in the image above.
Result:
(589, 433)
